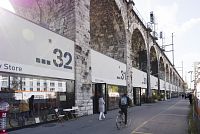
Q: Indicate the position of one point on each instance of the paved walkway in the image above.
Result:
(163, 117)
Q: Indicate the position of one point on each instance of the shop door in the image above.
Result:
(98, 90)
(137, 96)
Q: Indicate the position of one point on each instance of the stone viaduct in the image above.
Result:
(111, 27)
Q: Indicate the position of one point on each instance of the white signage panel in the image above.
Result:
(107, 70)
(162, 84)
(139, 78)
(167, 86)
(154, 82)
(27, 48)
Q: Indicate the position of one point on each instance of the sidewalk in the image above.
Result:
(163, 117)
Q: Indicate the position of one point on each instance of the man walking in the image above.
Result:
(123, 104)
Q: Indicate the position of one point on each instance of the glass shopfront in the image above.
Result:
(111, 94)
(114, 93)
(39, 67)
(137, 96)
(143, 95)
(47, 93)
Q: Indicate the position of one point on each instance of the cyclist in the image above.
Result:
(124, 102)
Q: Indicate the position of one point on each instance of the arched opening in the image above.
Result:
(167, 72)
(173, 79)
(171, 76)
(139, 53)
(162, 69)
(153, 62)
(107, 30)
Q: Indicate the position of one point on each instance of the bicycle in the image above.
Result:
(120, 120)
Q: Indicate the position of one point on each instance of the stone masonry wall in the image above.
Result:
(83, 81)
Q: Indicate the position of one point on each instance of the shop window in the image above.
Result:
(62, 96)
(114, 93)
(4, 83)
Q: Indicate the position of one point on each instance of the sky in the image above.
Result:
(182, 18)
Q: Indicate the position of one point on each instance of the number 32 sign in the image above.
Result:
(60, 59)
(60, 56)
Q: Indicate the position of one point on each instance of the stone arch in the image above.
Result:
(107, 29)
(138, 53)
(176, 80)
(153, 61)
(171, 79)
(167, 72)
(162, 68)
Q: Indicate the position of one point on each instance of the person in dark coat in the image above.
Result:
(31, 105)
(124, 102)
(190, 98)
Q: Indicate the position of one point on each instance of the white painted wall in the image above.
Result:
(167, 86)
(162, 84)
(154, 82)
(107, 70)
(139, 78)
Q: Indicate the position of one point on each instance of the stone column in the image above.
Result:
(128, 52)
(83, 83)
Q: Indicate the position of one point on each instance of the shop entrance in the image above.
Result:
(98, 90)
(137, 96)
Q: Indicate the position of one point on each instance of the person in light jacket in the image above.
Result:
(101, 107)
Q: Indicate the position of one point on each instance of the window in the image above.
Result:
(38, 83)
(59, 84)
(52, 84)
(52, 89)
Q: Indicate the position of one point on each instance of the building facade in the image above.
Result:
(68, 52)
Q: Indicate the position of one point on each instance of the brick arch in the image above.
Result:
(162, 68)
(153, 61)
(138, 53)
(107, 29)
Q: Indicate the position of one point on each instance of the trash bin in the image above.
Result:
(4, 107)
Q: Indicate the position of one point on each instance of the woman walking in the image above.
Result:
(101, 107)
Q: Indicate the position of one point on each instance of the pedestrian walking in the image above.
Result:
(190, 98)
(182, 96)
(101, 107)
(124, 102)
(31, 105)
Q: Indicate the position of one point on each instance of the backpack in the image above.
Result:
(124, 100)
